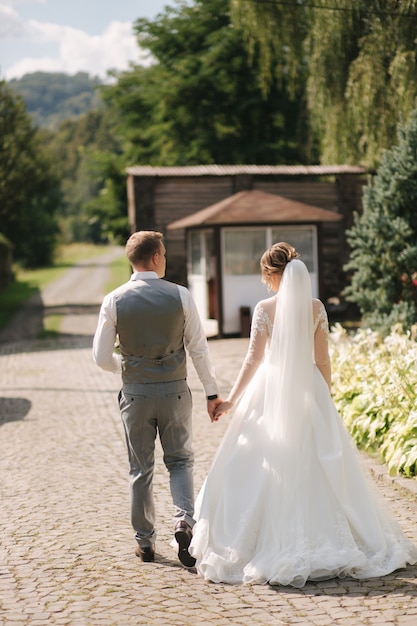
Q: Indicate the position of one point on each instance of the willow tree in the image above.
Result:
(361, 63)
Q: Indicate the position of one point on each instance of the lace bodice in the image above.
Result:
(260, 337)
(262, 323)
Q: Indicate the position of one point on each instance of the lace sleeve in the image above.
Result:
(260, 323)
(321, 342)
(321, 320)
(261, 329)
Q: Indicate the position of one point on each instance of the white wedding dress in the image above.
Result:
(285, 500)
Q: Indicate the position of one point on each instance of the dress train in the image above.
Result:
(268, 513)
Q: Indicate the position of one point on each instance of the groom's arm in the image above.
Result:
(196, 344)
(105, 337)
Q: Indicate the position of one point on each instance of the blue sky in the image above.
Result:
(71, 35)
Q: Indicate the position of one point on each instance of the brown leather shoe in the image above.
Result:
(146, 554)
(183, 536)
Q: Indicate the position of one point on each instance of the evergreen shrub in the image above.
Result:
(383, 239)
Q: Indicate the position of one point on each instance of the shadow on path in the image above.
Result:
(399, 583)
(14, 409)
(49, 342)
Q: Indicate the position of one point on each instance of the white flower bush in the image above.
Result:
(375, 391)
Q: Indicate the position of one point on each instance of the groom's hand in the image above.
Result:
(211, 408)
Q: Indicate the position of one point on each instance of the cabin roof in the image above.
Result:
(256, 207)
(233, 170)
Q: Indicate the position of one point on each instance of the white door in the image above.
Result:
(202, 275)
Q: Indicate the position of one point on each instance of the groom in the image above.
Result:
(155, 321)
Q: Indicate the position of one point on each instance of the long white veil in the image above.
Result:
(288, 411)
(289, 385)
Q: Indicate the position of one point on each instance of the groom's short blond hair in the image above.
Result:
(142, 245)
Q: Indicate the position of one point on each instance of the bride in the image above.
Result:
(285, 499)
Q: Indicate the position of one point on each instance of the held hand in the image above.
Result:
(211, 408)
(223, 407)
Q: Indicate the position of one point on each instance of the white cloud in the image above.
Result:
(11, 26)
(77, 51)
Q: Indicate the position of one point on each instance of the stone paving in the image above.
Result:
(66, 546)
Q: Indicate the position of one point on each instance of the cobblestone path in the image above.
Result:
(66, 546)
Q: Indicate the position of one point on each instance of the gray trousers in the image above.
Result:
(146, 410)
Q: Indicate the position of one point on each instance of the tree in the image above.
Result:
(107, 211)
(94, 201)
(361, 64)
(201, 100)
(29, 185)
(275, 34)
(383, 239)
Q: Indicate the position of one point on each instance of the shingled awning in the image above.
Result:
(256, 207)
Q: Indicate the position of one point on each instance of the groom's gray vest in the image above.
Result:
(150, 325)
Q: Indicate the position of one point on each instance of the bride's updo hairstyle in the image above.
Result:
(275, 259)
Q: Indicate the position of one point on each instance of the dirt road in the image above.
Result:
(77, 293)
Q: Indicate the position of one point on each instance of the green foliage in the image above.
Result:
(6, 274)
(77, 135)
(51, 98)
(361, 66)
(93, 181)
(274, 34)
(107, 211)
(363, 76)
(383, 239)
(29, 187)
(201, 100)
(375, 391)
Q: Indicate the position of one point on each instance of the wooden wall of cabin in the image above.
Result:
(175, 198)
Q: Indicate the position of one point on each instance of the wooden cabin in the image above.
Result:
(160, 196)
(225, 243)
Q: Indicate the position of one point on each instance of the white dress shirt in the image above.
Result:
(194, 338)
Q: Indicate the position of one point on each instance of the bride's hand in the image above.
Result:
(222, 408)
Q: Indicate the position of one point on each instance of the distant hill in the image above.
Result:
(51, 98)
